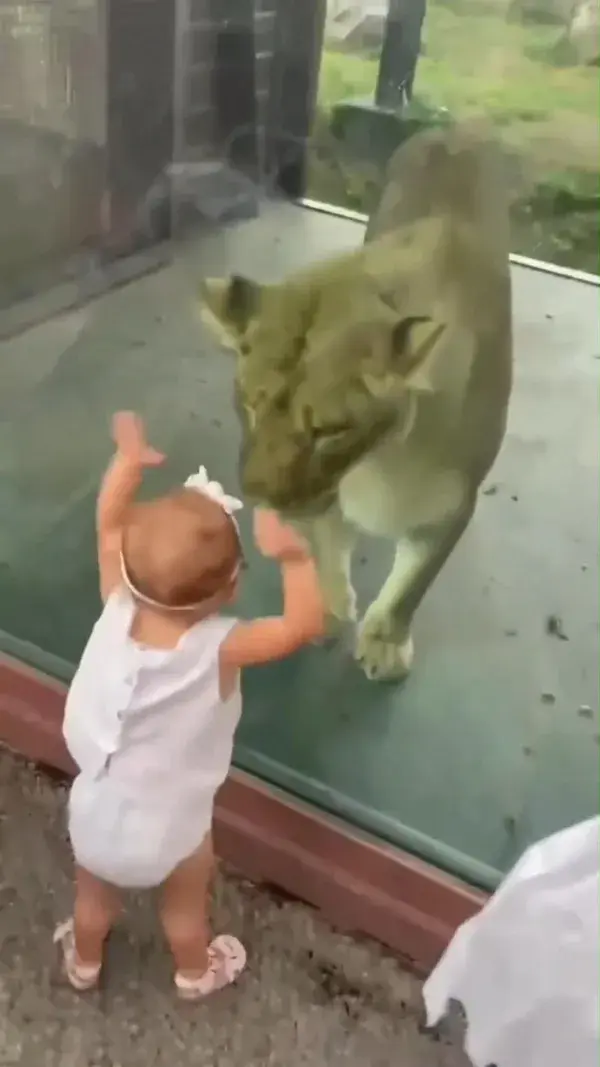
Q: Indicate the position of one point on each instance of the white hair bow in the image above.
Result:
(202, 484)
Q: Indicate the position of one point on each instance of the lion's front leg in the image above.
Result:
(332, 542)
(384, 645)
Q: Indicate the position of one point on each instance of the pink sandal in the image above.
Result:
(82, 976)
(227, 959)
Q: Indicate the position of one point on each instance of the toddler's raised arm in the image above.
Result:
(119, 486)
(303, 616)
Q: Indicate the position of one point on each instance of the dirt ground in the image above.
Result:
(309, 995)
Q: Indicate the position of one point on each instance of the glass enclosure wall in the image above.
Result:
(530, 67)
(179, 127)
(52, 141)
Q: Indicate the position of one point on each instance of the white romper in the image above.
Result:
(153, 742)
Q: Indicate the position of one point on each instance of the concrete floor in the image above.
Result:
(309, 995)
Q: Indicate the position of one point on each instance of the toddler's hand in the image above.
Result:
(130, 438)
(273, 538)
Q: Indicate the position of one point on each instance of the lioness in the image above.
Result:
(373, 388)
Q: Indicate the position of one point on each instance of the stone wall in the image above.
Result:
(246, 78)
(584, 32)
(194, 108)
(201, 24)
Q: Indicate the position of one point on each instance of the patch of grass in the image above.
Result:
(477, 61)
(345, 76)
(484, 63)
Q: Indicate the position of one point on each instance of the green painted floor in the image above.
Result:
(494, 740)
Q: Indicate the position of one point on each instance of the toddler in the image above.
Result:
(153, 707)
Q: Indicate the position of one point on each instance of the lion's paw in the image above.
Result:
(384, 653)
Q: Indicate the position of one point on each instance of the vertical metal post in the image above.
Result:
(400, 53)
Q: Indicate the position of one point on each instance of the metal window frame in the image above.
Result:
(520, 261)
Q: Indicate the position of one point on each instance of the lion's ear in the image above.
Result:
(415, 350)
(404, 353)
(229, 304)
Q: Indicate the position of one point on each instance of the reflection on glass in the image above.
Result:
(52, 135)
(527, 66)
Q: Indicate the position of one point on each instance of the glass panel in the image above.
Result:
(189, 122)
(528, 66)
(52, 134)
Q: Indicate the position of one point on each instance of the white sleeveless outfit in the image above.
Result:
(153, 742)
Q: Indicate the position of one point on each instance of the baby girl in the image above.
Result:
(153, 708)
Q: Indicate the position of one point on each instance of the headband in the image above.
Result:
(200, 483)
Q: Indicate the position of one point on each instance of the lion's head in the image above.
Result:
(324, 363)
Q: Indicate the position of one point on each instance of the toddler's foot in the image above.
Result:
(227, 959)
(82, 976)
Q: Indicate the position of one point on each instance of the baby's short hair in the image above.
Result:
(180, 549)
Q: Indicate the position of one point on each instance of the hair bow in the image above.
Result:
(202, 484)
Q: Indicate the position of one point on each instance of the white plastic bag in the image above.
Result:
(527, 968)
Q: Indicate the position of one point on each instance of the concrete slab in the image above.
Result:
(309, 995)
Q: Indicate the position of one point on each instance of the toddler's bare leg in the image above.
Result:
(201, 968)
(81, 938)
(184, 911)
(97, 906)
